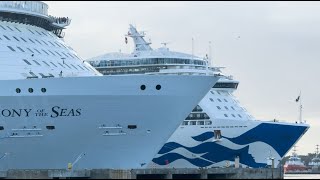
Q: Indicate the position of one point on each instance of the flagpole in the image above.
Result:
(300, 107)
(210, 54)
(192, 48)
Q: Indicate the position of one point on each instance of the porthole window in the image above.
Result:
(143, 87)
(50, 127)
(43, 90)
(1, 128)
(18, 90)
(132, 126)
(158, 87)
(30, 90)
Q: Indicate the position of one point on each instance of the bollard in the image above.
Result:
(236, 162)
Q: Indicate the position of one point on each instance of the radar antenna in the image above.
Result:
(165, 44)
(142, 33)
(140, 43)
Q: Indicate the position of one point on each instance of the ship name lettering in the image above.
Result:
(57, 111)
(15, 112)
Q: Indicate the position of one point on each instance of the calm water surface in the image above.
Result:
(302, 176)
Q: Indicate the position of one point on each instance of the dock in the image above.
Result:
(181, 173)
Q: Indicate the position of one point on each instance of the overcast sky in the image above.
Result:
(272, 48)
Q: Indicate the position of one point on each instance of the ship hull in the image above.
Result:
(254, 142)
(294, 168)
(105, 122)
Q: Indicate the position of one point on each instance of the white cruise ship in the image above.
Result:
(57, 111)
(219, 130)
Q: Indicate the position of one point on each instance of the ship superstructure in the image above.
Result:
(57, 109)
(315, 161)
(219, 129)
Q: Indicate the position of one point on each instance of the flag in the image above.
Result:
(298, 98)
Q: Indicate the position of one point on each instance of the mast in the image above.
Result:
(192, 48)
(210, 54)
(138, 39)
(294, 151)
(300, 109)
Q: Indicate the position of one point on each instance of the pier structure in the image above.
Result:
(181, 173)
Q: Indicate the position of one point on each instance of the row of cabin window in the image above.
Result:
(151, 61)
(36, 40)
(197, 116)
(13, 50)
(218, 107)
(127, 71)
(35, 76)
(225, 106)
(33, 32)
(185, 123)
(205, 116)
(27, 62)
(224, 93)
(12, 29)
(44, 33)
(225, 127)
(226, 115)
(218, 100)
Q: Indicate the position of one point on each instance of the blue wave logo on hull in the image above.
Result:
(212, 153)
(280, 137)
(204, 136)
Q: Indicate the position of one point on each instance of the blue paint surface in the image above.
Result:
(280, 137)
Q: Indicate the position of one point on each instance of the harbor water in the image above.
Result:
(302, 176)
